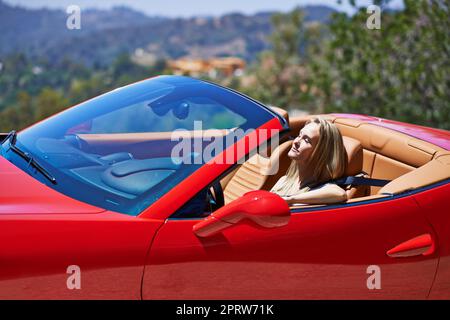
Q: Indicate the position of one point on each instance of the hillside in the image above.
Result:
(107, 33)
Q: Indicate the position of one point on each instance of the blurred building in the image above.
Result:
(215, 67)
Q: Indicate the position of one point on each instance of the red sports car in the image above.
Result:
(159, 190)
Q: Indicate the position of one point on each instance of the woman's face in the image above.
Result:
(304, 144)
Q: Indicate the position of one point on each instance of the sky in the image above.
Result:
(188, 8)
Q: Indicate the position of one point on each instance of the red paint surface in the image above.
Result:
(22, 194)
(435, 204)
(109, 248)
(320, 254)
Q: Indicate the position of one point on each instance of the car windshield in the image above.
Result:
(125, 149)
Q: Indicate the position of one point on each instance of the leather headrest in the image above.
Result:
(354, 156)
(281, 112)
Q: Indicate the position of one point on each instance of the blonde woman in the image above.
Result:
(318, 156)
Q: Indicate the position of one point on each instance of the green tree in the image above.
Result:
(19, 117)
(399, 72)
(49, 102)
(84, 89)
(25, 110)
(279, 74)
(27, 96)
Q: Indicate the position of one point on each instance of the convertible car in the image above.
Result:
(141, 193)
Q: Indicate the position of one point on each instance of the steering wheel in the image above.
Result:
(218, 197)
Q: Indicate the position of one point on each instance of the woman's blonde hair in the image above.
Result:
(328, 160)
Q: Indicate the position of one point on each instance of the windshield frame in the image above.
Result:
(141, 203)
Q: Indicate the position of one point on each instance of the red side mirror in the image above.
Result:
(264, 208)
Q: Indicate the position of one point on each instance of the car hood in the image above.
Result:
(22, 194)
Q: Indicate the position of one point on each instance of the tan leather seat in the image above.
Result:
(261, 173)
(355, 159)
(432, 172)
(388, 154)
(258, 173)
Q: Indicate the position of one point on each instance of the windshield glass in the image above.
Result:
(121, 151)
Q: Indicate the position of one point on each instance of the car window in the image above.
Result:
(116, 151)
(140, 117)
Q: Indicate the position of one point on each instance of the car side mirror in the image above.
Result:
(264, 208)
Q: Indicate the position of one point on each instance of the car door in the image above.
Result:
(331, 252)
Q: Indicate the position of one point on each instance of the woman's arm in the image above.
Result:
(329, 193)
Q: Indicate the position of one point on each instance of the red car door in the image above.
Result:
(330, 252)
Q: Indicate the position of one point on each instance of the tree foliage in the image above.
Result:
(32, 91)
(399, 72)
(279, 73)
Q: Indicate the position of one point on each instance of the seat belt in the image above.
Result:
(361, 181)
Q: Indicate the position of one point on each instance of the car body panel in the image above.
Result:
(109, 248)
(435, 205)
(22, 194)
(319, 254)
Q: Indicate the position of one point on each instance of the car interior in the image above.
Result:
(372, 151)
